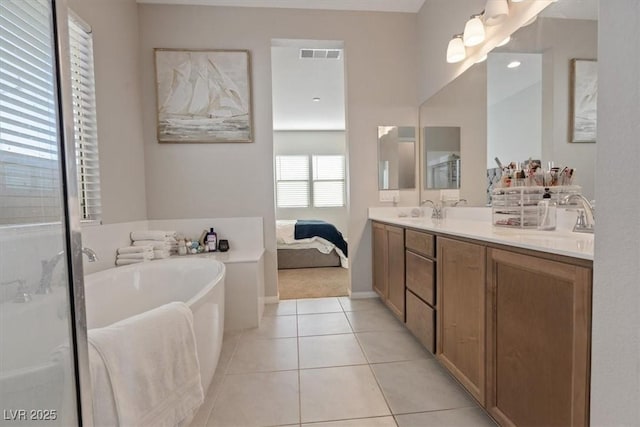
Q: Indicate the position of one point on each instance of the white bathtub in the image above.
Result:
(117, 293)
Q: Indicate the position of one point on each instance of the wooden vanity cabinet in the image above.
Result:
(461, 312)
(420, 283)
(388, 266)
(538, 330)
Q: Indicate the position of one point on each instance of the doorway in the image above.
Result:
(309, 139)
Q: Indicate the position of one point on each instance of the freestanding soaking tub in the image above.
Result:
(118, 293)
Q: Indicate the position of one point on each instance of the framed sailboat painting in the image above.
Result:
(204, 95)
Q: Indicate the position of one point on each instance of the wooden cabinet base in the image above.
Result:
(461, 312)
(538, 329)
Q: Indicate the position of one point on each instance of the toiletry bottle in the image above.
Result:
(546, 212)
(212, 241)
(182, 247)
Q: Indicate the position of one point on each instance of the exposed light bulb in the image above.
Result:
(504, 42)
(514, 64)
(495, 12)
(456, 51)
(516, 1)
(482, 59)
(473, 31)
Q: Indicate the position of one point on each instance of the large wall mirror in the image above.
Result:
(396, 157)
(517, 104)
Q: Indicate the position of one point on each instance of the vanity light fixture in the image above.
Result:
(482, 59)
(473, 31)
(495, 12)
(514, 64)
(516, 1)
(456, 51)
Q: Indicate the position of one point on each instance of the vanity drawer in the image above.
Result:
(421, 321)
(420, 276)
(421, 243)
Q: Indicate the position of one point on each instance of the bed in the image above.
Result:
(310, 243)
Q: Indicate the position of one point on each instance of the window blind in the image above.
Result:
(292, 181)
(328, 181)
(29, 171)
(85, 123)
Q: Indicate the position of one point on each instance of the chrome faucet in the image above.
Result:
(457, 202)
(436, 213)
(49, 265)
(92, 256)
(585, 223)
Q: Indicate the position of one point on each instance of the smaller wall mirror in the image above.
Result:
(441, 163)
(396, 157)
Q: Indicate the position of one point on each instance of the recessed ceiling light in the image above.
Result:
(513, 64)
(316, 99)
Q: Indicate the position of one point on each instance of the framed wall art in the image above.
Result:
(583, 100)
(203, 95)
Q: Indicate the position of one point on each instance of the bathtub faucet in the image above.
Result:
(49, 265)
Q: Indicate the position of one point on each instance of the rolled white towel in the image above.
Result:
(140, 255)
(151, 235)
(135, 249)
(160, 254)
(130, 261)
(156, 245)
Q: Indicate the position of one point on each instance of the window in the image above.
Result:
(328, 181)
(84, 118)
(303, 181)
(292, 181)
(29, 165)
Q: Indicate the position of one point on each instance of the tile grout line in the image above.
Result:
(224, 375)
(299, 379)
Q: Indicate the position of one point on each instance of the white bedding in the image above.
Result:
(285, 232)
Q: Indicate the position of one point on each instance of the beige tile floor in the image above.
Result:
(332, 362)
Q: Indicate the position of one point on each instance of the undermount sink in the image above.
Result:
(550, 238)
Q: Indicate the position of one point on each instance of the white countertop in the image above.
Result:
(479, 227)
(233, 256)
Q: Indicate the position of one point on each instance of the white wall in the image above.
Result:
(615, 364)
(438, 21)
(227, 180)
(308, 143)
(118, 103)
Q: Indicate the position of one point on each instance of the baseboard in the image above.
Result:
(365, 294)
(271, 300)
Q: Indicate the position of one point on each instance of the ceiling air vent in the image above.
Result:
(320, 53)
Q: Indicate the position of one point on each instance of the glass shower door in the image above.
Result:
(41, 306)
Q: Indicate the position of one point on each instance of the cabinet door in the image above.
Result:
(395, 259)
(379, 259)
(461, 312)
(539, 314)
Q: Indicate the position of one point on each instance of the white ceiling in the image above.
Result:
(369, 5)
(297, 81)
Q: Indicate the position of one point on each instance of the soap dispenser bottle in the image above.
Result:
(547, 212)
(212, 241)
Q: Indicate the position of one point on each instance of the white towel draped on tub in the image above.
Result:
(145, 370)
